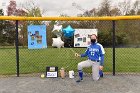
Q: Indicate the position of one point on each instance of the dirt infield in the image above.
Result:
(108, 84)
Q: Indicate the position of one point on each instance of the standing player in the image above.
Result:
(95, 53)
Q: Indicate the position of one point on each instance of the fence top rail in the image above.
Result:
(108, 18)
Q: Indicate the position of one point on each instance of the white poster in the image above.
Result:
(51, 74)
(82, 37)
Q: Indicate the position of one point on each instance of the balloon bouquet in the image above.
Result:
(57, 30)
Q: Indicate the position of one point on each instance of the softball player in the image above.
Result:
(95, 53)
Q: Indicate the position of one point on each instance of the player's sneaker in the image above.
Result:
(102, 75)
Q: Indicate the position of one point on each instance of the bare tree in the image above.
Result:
(125, 7)
(85, 12)
(105, 8)
(115, 12)
(136, 6)
(32, 10)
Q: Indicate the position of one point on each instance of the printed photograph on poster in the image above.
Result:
(84, 39)
(79, 39)
(36, 33)
(89, 36)
(77, 44)
(37, 36)
(32, 37)
(77, 35)
(39, 39)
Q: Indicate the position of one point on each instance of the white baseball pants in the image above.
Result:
(95, 68)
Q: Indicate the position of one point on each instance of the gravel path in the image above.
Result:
(108, 84)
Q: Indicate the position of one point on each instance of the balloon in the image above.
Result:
(68, 31)
(57, 30)
(57, 42)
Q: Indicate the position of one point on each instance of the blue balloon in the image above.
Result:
(68, 31)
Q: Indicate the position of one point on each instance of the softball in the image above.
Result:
(42, 76)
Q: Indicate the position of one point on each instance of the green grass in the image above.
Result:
(34, 61)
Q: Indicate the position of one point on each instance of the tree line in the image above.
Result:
(127, 31)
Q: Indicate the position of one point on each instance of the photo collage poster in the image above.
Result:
(82, 37)
(37, 37)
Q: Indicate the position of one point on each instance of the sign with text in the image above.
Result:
(51, 72)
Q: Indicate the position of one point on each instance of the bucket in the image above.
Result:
(71, 74)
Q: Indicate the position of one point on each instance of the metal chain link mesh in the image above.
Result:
(34, 61)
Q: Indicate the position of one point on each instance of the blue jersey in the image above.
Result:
(95, 52)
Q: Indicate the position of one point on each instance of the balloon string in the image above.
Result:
(71, 49)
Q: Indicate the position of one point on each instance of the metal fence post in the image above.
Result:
(113, 42)
(17, 49)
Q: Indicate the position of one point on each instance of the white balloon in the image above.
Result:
(57, 30)
(57, 42)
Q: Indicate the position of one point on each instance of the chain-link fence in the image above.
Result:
(127, 53)
(34, 61)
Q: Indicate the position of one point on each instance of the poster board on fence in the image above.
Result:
(82, 37)
(37, 37)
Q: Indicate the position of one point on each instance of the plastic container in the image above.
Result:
(62, 73)
(71, 74)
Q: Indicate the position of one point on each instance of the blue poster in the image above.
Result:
(37, 37)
